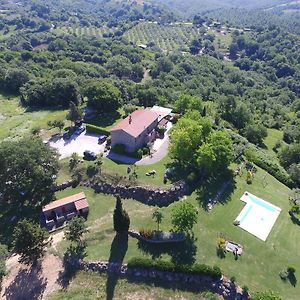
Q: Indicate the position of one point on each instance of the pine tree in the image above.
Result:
(74, 113)
(120, 218)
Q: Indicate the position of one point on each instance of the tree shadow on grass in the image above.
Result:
(292, 279)
(294, 219)
(217, 189)
(182, 253)
(28, 284)
(118, 251)
(69, 272)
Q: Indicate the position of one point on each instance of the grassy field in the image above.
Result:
(88, 286)
(114, 168)
(15, 121)
(166, 37)
(261, 262)
(222, 41)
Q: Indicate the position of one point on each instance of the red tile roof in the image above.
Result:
(81, 204)
(140, 120)
(71, 199)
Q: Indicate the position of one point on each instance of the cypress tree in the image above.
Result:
(120, 218)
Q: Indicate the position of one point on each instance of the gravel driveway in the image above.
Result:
(77, 144)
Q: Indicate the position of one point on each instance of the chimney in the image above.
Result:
(130, 119)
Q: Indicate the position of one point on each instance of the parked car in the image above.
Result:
(89, 155)
(66, 135)
(102, 139)
(79, 130)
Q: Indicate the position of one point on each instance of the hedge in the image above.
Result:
(195, 269)
(96, 129)
(268, 164)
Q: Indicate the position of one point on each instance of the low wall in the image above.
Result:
(146, 195)
(224, 287)
(62, 186)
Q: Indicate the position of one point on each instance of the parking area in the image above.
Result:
(77, 144)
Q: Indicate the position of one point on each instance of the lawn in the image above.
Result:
(221, 42)
(95, 286)
(261, 262)
(114, 168)
(107, 120)
(15, 121)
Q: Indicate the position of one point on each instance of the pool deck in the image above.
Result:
(258, 216)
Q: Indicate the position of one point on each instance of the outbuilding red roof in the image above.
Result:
(137, 122)
(80, 198)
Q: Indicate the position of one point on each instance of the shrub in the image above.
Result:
(233, 279)
(108, 140)
(139, 153)
(262, 160)
(245, 289)
(200, 269)
(146, 151)
(35, 130)
(119, 149)
(96, 129)
(146, 233)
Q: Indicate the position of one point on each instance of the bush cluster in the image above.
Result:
(96, 129)
(196, 269)
(268, 164)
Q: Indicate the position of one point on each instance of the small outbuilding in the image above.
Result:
(60, 211)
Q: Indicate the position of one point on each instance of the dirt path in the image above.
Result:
(33, 282)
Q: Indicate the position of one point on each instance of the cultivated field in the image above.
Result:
(166, 37)
(83, 31)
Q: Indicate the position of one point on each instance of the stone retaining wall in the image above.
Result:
(146, 195)
(62, 186)
(224, 287)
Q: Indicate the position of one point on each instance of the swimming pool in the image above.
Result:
(258, 216)
(262, 203)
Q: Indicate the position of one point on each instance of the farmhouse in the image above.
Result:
(136, 130)
(58, 212)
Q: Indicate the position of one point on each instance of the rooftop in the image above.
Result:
(137, 122)
(79, 200)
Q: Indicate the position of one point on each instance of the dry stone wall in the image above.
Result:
(146, 195)
(224, 287)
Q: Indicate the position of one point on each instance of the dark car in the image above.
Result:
(102, 139)
(66, 135)
(89, 155)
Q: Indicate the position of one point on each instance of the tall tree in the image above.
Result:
(29, 240)
(28, 169)
(75, 113)
(120, 217)
(103, 96)
(76, 229)
(184, 216)
(157, 216)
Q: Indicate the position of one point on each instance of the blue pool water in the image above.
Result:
(256, 201)
(246, 214)
(261, 203)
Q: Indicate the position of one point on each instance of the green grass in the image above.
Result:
(221, 42)
(274, 135)
(15, 121)
(108, 120)
(115, 168)
(95, 286)
(261, 262)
